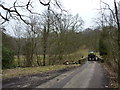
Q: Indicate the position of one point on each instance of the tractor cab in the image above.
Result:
(92, 56)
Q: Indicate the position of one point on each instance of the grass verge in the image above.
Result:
(18, 72)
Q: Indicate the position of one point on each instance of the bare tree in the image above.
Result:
(18, 34)
(118, 27)
(63, 23)
(14, 13)
(31, 41)
(46, 30)
(111, 21)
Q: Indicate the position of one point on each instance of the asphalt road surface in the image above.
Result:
(89, 75)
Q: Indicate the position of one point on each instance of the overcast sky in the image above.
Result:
(87, 9)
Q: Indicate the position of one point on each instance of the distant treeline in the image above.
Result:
(30, 51)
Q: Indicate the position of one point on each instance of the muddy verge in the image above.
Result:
(111, 76)
(32, 81)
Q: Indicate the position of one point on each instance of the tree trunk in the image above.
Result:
(44, 45)
(44, 55)
(45, 38)
(118, 25)
(38, 60)
(18, 58)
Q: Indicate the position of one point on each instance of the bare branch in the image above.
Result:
(18, 14)
(4, 17)
(45, 4)
(58, 4)
(109, 9)
(13, 13)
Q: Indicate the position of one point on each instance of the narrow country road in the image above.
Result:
(89, 75)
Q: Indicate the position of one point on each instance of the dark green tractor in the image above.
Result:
(92, 56)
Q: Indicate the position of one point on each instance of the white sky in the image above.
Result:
(87, 9)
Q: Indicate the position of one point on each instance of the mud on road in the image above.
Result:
(89, 75)
(32, 81)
